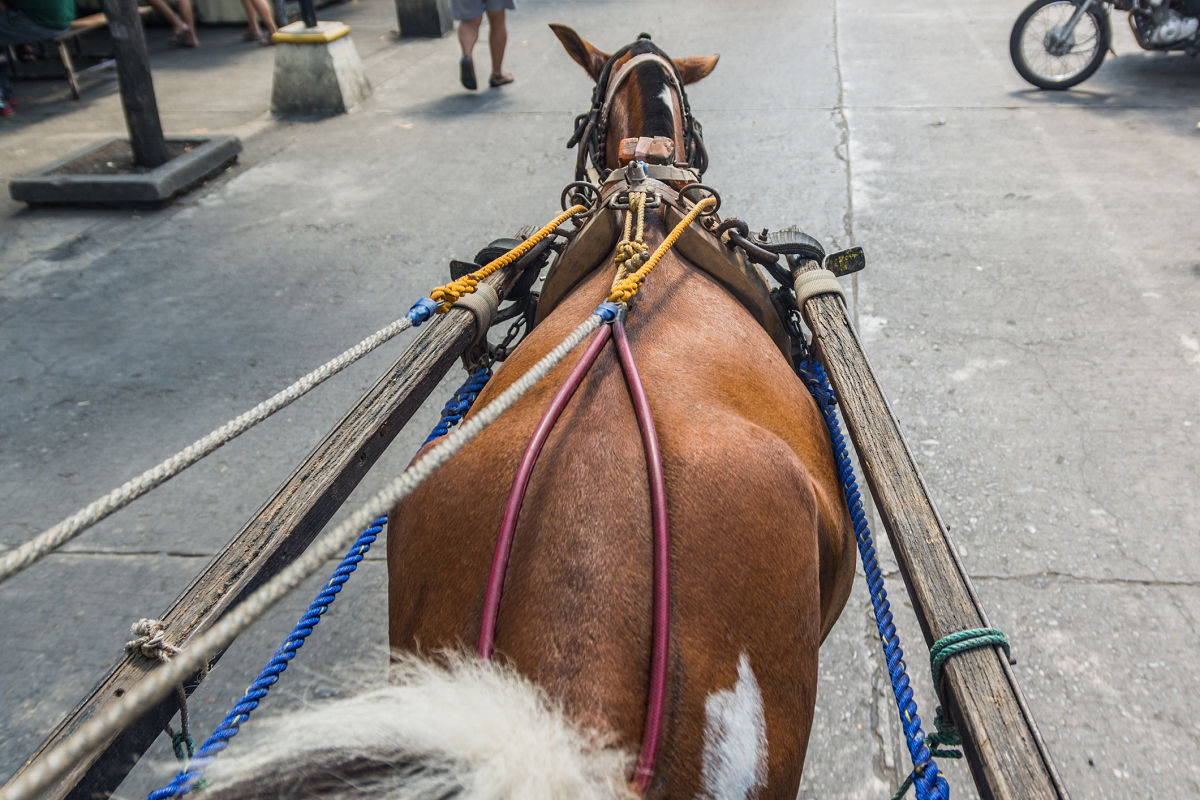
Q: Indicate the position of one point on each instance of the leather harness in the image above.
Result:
(597, 239)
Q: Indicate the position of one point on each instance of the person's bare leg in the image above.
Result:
(189, 19)
(267, 19)
(468, 34)
(170, 16)
(497, 41)
(252, 29)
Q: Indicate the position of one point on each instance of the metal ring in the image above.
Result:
(654, 200)
(732, 222)
(691, 186)
(587, 187)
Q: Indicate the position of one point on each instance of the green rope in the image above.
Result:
(945, 734)
(961, 642)
(178, 741)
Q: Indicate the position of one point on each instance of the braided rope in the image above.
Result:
(624, 290)
(460, 403)
(445, 296)
(929, 784)
(50, 540)
(631, 252)
(120, 714)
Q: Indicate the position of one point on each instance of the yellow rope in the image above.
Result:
(624, 289)
(631, 254)
(446, 296)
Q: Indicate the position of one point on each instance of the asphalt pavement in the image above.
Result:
(1030, 306)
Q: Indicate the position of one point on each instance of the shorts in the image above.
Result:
(470, 9)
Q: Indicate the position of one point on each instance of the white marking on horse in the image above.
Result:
(668, 100)
(734, 763)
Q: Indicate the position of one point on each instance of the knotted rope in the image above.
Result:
(624, 289)
(631, 253)
(150, 642)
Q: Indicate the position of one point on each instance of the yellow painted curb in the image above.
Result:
(335, 32)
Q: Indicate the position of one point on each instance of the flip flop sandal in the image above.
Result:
(179, 39)
(466, 69)
(247, 36)
(500, 80)
(267, 40)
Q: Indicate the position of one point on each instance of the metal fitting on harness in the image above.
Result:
(421, 311)
(814, 282)
(610, 312)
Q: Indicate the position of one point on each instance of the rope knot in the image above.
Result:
(151, 640)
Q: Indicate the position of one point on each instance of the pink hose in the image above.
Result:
(491, 604)
(652, 731)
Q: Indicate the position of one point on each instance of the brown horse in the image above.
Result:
(761, 547)
(762, 551)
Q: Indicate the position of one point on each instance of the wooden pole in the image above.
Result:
(276, 536)
(137, 88)
(1008, 757)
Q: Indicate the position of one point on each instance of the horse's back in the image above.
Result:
(761, 554)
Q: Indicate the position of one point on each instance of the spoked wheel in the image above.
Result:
(1050, 56)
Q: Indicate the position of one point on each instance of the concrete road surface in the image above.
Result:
(1030, 305)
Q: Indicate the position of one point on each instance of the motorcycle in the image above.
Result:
(1057, 44)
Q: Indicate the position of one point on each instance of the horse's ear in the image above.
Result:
(582, 51)
(694, 68)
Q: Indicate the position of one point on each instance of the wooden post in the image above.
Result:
(275, 537)
(1008, 757)
(137, 88)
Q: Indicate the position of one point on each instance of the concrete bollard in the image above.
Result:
(424, 18)
(317, 69)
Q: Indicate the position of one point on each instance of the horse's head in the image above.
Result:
(639, 93)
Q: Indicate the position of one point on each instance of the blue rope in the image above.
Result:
(929, 784)
(193, 774)
(460, 403)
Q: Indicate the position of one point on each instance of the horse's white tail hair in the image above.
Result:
(461, 729)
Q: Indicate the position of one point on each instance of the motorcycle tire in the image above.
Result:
(1031, 42)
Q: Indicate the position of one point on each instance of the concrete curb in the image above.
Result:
(157, 186)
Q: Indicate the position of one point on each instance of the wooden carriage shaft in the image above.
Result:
(1006, 752)
(277, 535)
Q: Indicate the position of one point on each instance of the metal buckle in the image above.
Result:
(620, 200)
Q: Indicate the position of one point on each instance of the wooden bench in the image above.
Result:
(79, 27)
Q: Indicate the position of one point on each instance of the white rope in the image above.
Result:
(151, 640)
(47, 542)
(124, 711)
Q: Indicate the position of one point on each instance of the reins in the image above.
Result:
(633, 265)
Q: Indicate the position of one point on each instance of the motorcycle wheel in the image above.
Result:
(1047, 60)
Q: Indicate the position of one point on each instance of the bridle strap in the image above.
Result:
(591, 128)
(615, 81)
